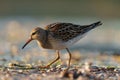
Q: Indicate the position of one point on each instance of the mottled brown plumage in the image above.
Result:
(59, 36)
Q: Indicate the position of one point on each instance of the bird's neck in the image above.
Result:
(43, 40)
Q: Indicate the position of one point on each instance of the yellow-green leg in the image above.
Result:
(56, 59)
(69, 58)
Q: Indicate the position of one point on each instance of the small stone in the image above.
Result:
(82, 78)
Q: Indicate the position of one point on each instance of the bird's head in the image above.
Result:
(35, 35)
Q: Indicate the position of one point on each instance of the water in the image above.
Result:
(14, 31)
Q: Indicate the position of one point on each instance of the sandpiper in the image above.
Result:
(58, 36)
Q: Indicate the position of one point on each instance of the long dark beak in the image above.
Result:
(29, 40)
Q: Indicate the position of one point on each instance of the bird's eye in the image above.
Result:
(34, 33)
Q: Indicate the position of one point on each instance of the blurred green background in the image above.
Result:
(18, 17)
(84, 8)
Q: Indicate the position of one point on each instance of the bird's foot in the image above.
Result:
(44, 67)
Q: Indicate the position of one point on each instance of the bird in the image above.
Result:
(58, 36)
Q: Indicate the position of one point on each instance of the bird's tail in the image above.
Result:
(86, 28)
(93, 25)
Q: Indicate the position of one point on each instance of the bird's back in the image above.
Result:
(68, 31)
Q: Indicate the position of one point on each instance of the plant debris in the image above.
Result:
(77, 72)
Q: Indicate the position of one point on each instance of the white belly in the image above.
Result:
(58, 45)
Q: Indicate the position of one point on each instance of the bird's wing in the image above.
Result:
(67, 31)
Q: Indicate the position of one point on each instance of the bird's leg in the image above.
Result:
(69, 58)
(57, 58)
